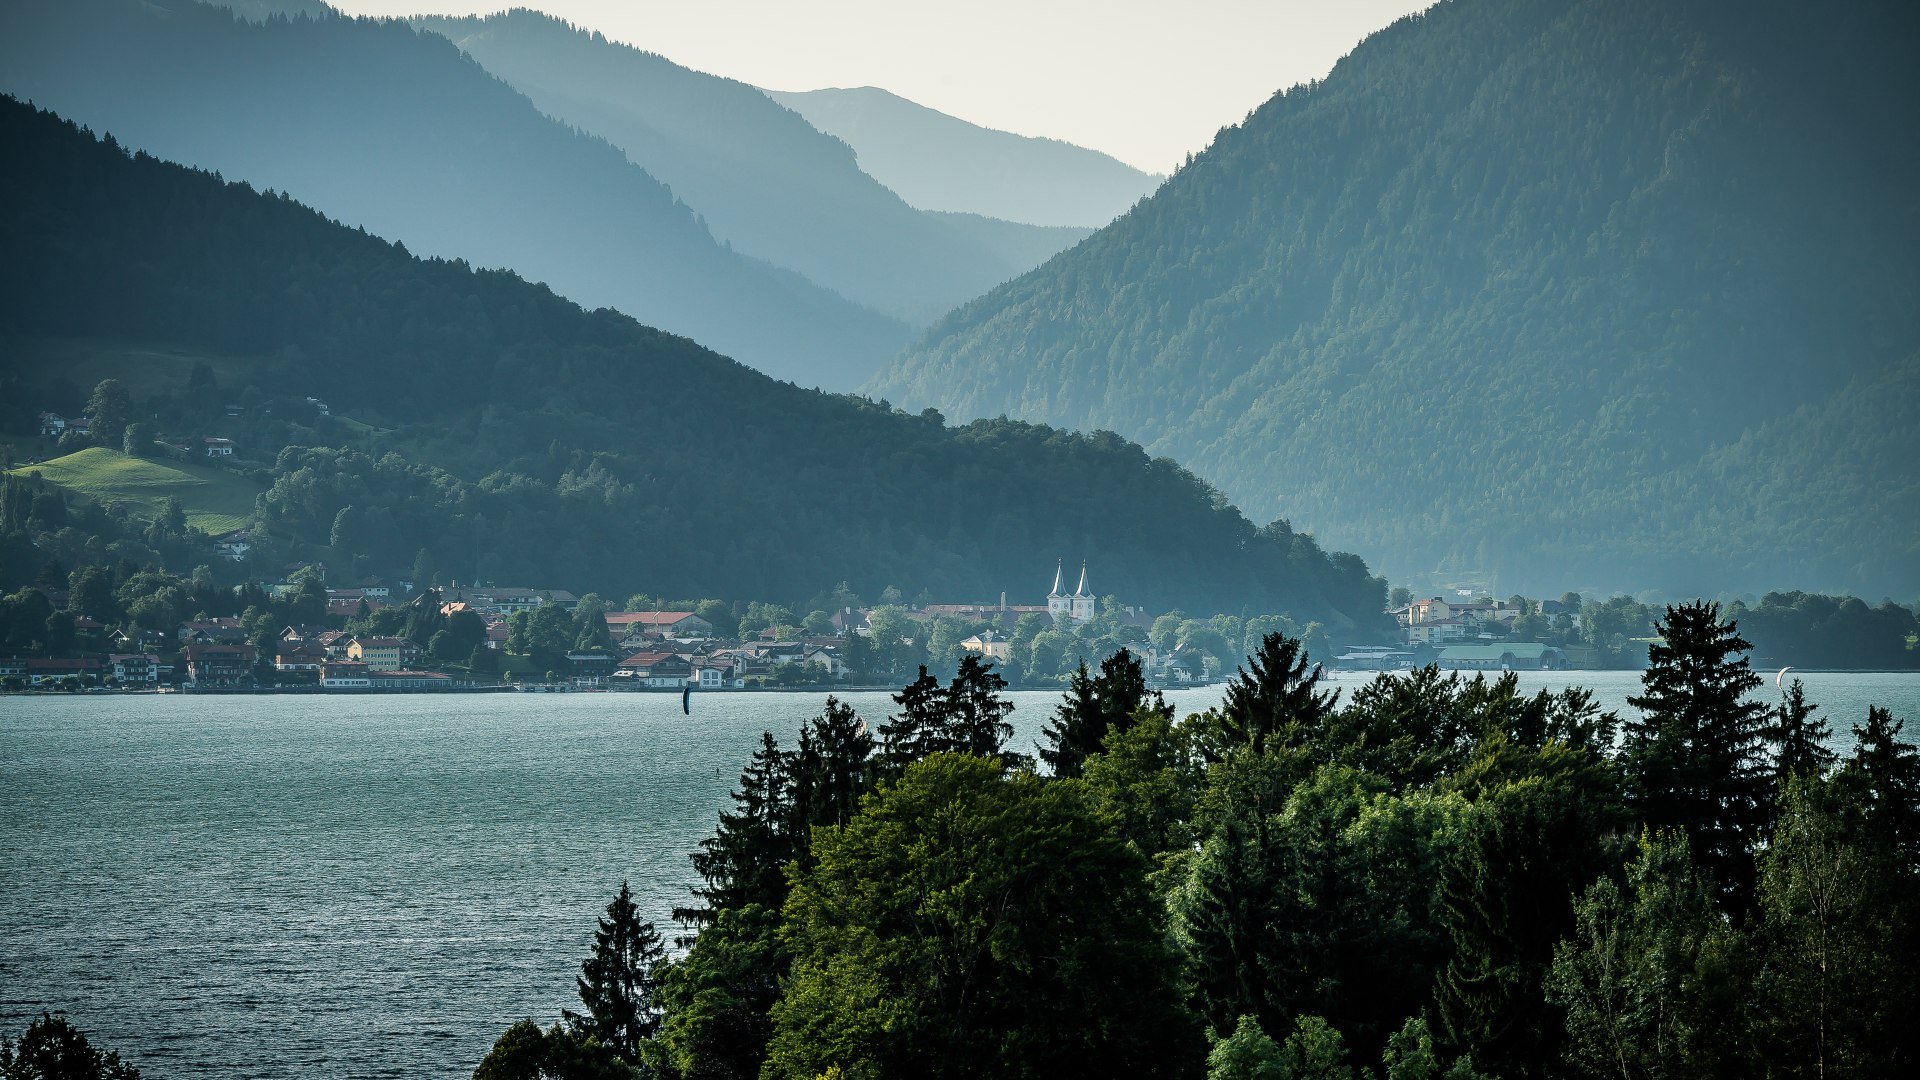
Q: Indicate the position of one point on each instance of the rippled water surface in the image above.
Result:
(377, 886)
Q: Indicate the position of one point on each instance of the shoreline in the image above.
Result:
(508, 688)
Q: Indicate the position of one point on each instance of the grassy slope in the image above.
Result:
(215, 500)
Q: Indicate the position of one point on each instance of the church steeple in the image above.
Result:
(1059, 569)
(1081, 604)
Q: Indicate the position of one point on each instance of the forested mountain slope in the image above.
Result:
(763, 179)
(500, 432)
(941, 162)
(393, 129)
(1583, 292)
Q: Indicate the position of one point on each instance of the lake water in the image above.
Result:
(377, 886)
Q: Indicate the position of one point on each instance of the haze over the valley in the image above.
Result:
(1145, 81)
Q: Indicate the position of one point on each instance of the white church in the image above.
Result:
(1070, 610)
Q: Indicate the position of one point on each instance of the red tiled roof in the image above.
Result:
(646, 618)
(645, 659)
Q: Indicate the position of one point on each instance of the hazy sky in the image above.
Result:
(1144, 80)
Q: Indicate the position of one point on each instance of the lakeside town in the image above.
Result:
(520, 640)
(378, 635)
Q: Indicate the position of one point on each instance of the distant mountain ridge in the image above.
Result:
(940, 162)
(759, 175)
(499, 431)
(1585, 293)
(394, 129)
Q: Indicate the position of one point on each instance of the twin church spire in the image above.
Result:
(1076, 607)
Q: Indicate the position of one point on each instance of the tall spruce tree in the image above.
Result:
(1799, 739)
(832, 767)
(744, 861)
(1695, 754)
(976, 710)
(1097, 706)
(919, 727)
(618, 982)
(1507, 892)
(1883, 776)
(967, 716)
(1273, 700)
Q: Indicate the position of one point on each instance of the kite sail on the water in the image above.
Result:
(686, 699)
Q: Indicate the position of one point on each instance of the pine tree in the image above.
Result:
(1224, 907)
(967, 716)
(832, 768)
(743, 861)
(1507, 895)
(1883, 775)
(1070, 735)
(1799, 740)
(918, 729)
(1272, 701)
(976, 711)
(1096, 707)
(1695, 754)
(618, 982)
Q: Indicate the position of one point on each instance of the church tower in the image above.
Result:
(1059, 604)
(1080, 604)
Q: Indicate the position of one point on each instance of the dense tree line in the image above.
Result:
(1514, 283)
(1818, 631)
(501, 431)
(1440, 877)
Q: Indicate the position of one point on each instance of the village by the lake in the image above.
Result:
(396, 636)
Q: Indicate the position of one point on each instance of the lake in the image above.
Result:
(376, 886)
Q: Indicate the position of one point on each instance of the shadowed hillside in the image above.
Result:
(1604, 292)
(500, 432)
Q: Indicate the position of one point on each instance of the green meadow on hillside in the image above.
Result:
(215, 500)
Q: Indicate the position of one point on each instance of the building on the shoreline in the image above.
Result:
(989, 644)
(220, 665)
(344, 675)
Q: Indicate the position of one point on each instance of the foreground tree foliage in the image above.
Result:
(53, 1049)
(617, 983)
(524, 1052)
(1097, 706)
(1651, 979)
(1443, 878)
(975, 923)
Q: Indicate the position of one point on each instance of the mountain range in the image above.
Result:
(395, 130)
(1585, 293)
(483, 426)
(763, 180)
(941, 162)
